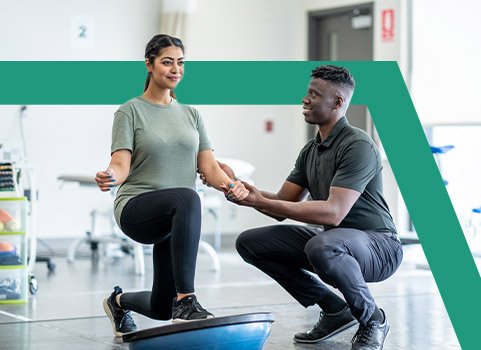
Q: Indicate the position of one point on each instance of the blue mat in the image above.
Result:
(239, 332)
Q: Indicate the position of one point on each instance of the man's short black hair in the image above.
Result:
(335, 74)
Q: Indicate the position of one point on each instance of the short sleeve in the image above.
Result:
(204, 142)
(298, 174)
(359, 163)
(122, 132)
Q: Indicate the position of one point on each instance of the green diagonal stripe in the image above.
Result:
(428, 203)
(379, 86)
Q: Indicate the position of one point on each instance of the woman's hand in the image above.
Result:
(236, 191)
(105, 180)
(253, 198)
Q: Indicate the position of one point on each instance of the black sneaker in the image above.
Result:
(371, 335)
(327, 326)
(121, 320)
(189, 309)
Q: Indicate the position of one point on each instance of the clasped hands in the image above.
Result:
(240, 192)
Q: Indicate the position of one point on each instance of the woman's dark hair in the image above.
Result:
(153, 48)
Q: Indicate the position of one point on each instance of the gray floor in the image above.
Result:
(66, 312)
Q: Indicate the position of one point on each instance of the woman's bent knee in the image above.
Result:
(188, 194)
(188, 199)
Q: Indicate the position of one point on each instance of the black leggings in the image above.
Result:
(169, 219)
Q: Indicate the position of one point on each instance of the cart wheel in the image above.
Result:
(33, 285)
(51, 267)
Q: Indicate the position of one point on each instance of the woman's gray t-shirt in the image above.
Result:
(164, 141)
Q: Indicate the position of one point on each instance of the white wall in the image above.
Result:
(41, 30)
(447, 53)
(268, 30)
(70, 139)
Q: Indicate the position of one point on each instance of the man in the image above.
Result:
(341, 170)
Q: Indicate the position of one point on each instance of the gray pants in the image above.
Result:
(342, 257)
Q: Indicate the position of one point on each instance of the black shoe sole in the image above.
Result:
(336, 331)
(382, 344)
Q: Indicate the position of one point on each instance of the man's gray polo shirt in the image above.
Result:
(347, 158)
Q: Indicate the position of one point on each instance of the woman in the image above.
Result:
(158, 145)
